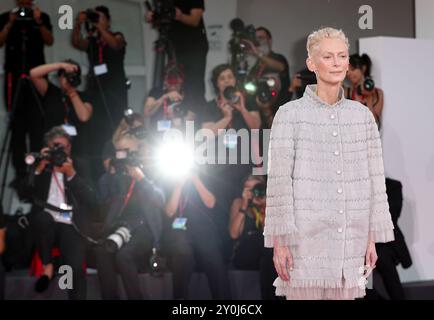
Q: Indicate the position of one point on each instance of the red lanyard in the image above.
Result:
(130, 192)
(101, 46)
(58, 185)
(66, 106)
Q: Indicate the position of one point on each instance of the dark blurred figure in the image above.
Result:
(2, 249)
(57, 185)
(132, 208)
(246, 227)
(396, 252)
(24, 31)
(188, 37)
(299, 82)
(106, 81)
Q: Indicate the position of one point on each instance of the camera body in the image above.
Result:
(124, 158)
(368, 85)
(164, 11)
(73, 78)
(92, 16)
(24, 14)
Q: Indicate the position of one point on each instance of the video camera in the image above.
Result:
(164, 12)
(56, 156)
(92, 16)
(239, 48)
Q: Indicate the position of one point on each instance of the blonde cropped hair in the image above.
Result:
(314, 39)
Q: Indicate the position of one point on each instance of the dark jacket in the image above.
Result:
(394, 195)
(79, 194)
(143, 209)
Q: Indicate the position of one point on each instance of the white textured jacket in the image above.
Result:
(326, 190)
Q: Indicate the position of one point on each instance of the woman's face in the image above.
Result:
(330, 61)
(355, 75)
(226, 79)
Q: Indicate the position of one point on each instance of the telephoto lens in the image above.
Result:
(117, 239)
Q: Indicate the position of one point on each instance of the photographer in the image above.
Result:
(106, 81)
(56, 185)
(193, 237)
(132, 207)
(187, 35)
(246, 227)
(269, 62)
(363, 88)
(65, 104)
(2, 249)
(222, 113)
(24, 31)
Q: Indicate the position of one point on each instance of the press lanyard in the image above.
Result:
(130, 192)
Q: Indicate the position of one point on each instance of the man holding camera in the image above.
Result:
(63, 105)
(270, 62)
(24, 32)
(132, 207)
(188, 37)
(107, 82)
(62, 201)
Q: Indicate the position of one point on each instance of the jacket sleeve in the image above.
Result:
(83, 194)
(280, 226)
(380, 221)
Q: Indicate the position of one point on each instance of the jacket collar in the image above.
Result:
(310, 93)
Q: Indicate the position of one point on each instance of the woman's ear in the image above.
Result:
(310, 64)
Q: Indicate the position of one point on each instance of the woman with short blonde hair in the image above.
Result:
(326, 194)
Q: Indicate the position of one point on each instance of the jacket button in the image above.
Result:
(340, 230)
(335, 134)
(332, 116)
(341, 211)
(340, 190)
(338, 172)
(336, 153)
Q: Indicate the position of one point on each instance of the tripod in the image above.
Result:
(22, 81)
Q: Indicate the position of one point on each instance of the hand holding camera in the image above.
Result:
(247, 197)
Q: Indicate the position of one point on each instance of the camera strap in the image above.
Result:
(129, 194)
(66, 106)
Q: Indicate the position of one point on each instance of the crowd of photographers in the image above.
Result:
(92, 172)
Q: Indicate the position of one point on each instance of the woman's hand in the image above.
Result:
(227, 111)
(240, 105)
(371, 255)
(283, 261)
(246, 196)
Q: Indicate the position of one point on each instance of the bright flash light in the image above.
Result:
(271, 82)
(250, 87)
(175, 159)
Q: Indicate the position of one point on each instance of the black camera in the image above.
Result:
(230, 94)
(368, 85)
(239, 48)
(156, 264)
(23, 13)
(73, 78)
(56, 156)
(118, 238)
(124, 158)
(259, 190)
(164, 12)
(92, 16)
(131, 118)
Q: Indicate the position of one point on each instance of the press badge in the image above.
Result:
(164, 125)
(230, 140)
(70, 130)
(180, 223)
(100, 69)
(65, 216)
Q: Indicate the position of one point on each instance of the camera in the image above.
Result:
(265, 88)
(164, 12)
(368, 85)
(131, 118)
(230, 94)
(239, 48)
(156, 264)
(118, 238)
(73, 78)
(92, 16)
(124, 158)
(56, 156)
(259, 190)
(23, 13)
